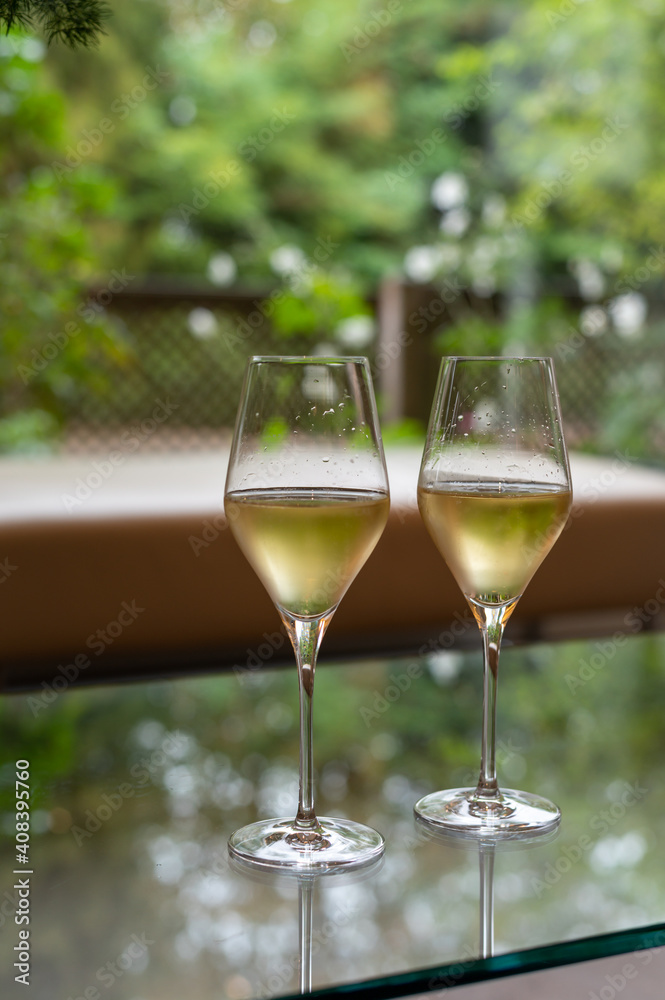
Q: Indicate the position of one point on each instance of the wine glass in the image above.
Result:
(307, 499)
(494, 492)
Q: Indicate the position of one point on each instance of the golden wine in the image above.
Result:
(307, 545)
(493, 537)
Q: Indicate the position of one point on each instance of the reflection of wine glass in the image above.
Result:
(307, 499)
(494, 492)
(307, 881)
(487, 849)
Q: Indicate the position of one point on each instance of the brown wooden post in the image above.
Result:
(389, 359)
(406, 364)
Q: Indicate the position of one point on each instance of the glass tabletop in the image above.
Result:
(134, 790)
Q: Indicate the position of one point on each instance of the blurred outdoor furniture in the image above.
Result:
(130, 567)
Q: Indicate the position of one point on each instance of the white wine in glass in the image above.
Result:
(494, 492)
(307, 546)
(307, 500)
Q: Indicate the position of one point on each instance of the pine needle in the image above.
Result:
(73, 22)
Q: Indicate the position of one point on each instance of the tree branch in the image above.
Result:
(73, 22)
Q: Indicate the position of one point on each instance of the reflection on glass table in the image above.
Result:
(485, 848)
(308, 936)
(136, 789)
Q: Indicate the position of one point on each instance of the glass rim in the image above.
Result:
(496, 357)
(307, 359)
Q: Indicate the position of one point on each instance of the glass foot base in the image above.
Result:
(509, 814)
(278, 843)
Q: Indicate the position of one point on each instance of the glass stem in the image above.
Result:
(305, 934)
(486, 863)
(492, 621)
(306, 635)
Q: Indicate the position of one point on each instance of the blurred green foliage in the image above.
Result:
(47, 260)
(317, 307)
(511, 150)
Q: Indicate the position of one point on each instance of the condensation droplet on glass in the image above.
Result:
(465, 435)
(461, 416)
(326, 412)
(512, 429)
(326, 459)
(297, 416)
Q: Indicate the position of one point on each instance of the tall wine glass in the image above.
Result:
(494, 492)
(307, 499)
